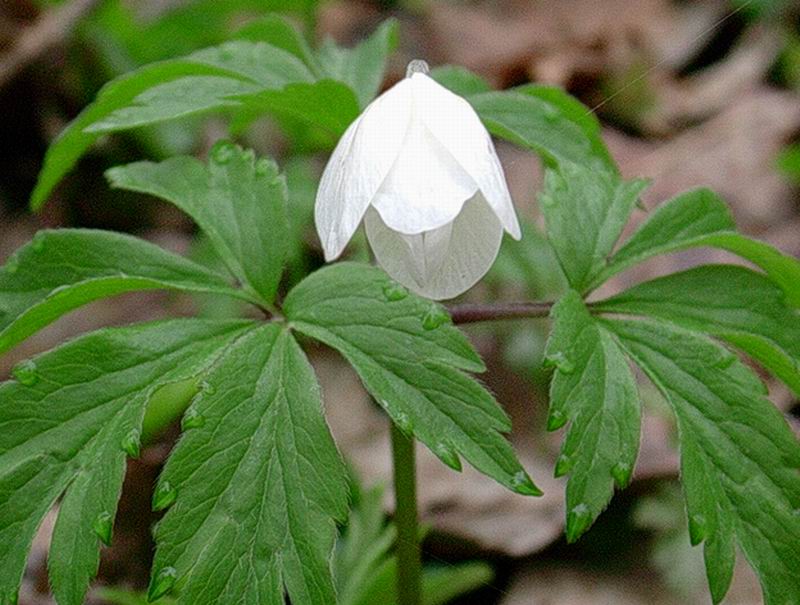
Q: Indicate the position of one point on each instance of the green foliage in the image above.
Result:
(259, 483)
(739, 458)
(238, 201)
(585, 211)
(69, 419)
(64, 269)
(267, 70)
(411, 359)
(592, 389)
(255, 485)
(739, 305)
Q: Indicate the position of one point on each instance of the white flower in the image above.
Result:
(421, 170)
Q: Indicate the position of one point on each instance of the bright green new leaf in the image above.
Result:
(361, 67)
(585, 210)
(737, 304)
(68, 421)
(547, 121)
(64, 269)
(238, 201)
(204, 81)
(594, 391)
(256, 485)
(740, 461)
(695, 219)
(409, 358)
(366, 570)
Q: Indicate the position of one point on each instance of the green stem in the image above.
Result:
(409, 560)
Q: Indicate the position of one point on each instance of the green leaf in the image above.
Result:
(595, 392)
(68, 421)
(361, 67)
(737, 304)
(409, 357)
(327, 104)
(238, 201)
(258, 485)
(585, 211)
(276, 31)
(546, 121)
(695, 219)
(204, 81)
(460, 80)
(64, 269)
(739, 458)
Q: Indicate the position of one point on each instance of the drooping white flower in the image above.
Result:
(420, 169)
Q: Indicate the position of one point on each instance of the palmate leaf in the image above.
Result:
(68, 421)
(699, 218)
(410, 358)
(238, 201)
(740, 461)
(257, 484)
(64, 269)
(594, 390)
(740, 305)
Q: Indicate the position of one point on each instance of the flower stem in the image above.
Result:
(471, 313)
(409, 560)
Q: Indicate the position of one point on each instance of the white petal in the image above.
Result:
(359, 164)
(453, 121)
(442, 263)
(426, 187)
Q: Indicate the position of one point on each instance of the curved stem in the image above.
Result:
(471, 313)
(409, 559)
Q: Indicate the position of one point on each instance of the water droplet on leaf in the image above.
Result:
(403, 422)
(563, 465)
(222, 152)
(192, 419)
(131, 443)
(698, 529)
(265, 167)
(522, 484)
(162, 583)
(25, 373)
(555, 420)
(546, 200)
(417, 66)
(207, 388)
(394, 292)
(102, 526)
(435, 317)
(448, 455)
(578, 521)
(622, 474)
(560, 362)
(164, 496)
(249, 156)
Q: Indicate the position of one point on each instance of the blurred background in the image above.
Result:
(689, 93)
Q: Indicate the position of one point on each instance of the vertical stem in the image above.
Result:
(409, 562)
